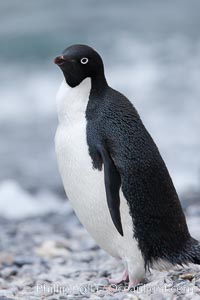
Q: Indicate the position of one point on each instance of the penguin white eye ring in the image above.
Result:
(84, 60)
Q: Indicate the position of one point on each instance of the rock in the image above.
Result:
(14, 290)
(5, 293)
(157, 296)
(50, 278)
(94, 297)
(101, 282)
(188, 276)
(112, 298)
(5, 258)
(130, 296)
(5, 298)
(103, 273)
(195, 297)
(30, 270)
(51, 249)
(83, 256)
(21, 261)
(3, 284)
(20, 283)
(9, 271)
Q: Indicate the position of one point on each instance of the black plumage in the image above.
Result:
(159, 222)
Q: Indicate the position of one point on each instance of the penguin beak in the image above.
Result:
(59, 60)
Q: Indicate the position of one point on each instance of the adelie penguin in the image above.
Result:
(113, 173)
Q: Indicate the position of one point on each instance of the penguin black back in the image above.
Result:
(159, 222)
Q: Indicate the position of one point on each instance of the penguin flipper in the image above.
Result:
(112, 185)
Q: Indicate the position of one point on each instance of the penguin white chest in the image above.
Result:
(83, 184)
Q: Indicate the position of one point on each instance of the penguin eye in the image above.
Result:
(84, 60)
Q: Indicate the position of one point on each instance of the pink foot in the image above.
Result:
(124, 277)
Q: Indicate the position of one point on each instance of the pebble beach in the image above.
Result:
(51, 256)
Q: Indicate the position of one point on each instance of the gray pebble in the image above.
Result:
(101, 282)
(20, 261)
(5, 298)
(85, 265)
(157, 296)
(130, 297)
(3, 284)
(195, 297)
(8, 271)
(6, 293)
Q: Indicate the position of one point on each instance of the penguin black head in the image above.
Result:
(78, 62)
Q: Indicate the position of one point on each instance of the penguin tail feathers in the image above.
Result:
(194, 252)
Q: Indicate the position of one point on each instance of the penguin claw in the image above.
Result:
(132, 284)
(123, 277)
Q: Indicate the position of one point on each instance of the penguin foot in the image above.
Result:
(132, 284)
(123, 277)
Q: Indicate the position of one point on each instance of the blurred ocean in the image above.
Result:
(151, 51)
